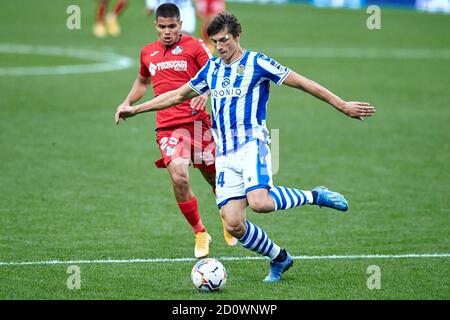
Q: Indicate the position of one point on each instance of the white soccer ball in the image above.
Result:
(209, 275)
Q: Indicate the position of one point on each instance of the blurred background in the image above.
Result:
(424, 5)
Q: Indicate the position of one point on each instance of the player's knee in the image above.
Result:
(236, 228)
(180, 180)
(260, 205)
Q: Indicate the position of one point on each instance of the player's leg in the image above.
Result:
(283, 198)
(174, 145)
(100, 13)
(262, 196)
(112, 23)
(187, 202)
(286, 198)
(200, 8)
(208, 42)
(232, 201)
(188, 18)
(150, 6)
(203, 158)
(278, 198)
(206, 10)
(210, 176)
(119, 7)
(255, 239)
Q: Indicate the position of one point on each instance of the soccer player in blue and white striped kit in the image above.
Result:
(239, 84)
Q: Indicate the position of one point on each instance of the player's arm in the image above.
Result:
(163, 101)
(353, 109)
(201, 56)
(199, 103)
(138, 90)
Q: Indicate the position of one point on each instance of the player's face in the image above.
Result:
(168, 29)
(226, 45)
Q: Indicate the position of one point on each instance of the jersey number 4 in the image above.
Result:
(220, 179)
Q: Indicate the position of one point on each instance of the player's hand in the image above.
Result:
(199, 103)
(357, 110)
(123, 112)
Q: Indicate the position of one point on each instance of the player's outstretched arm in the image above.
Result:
(138, 90)
(199, 103)
(353, 109)
(163, 101)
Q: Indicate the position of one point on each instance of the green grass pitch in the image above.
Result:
(76, 187)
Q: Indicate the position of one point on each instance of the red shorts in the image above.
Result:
(206, 8)
(190, 141)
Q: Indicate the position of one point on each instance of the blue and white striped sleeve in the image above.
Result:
(272, 70)
(198, 83)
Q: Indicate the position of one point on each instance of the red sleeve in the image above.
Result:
(143, 71)
(203, 53)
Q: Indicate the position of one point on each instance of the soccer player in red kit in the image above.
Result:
(108, 23)
(206, 10)
(183, 134)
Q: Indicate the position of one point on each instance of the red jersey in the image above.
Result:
(170, 68)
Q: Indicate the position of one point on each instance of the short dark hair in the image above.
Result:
(224, 20)
(168, 10)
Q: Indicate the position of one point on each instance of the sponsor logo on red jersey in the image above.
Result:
(176, 65)
(177, 50)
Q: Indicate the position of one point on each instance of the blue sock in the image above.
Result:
(257, 240)
(286, 198)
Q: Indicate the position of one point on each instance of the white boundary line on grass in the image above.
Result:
(104, 61)
(108, 61)
(172, 260)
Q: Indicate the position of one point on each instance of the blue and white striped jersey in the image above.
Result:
(239, 93)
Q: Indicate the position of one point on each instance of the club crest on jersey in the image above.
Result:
(240, 70)
(177, 50)
(170, 151)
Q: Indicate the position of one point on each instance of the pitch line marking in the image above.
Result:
(171, 260)
(104, 61)
(108, 61)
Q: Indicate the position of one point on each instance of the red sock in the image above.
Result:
(118, 8)
(190, 211)
(100, 13)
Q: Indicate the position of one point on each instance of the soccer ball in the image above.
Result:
(209, 275)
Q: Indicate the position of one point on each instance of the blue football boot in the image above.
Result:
(330, 199)
(278, 268)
